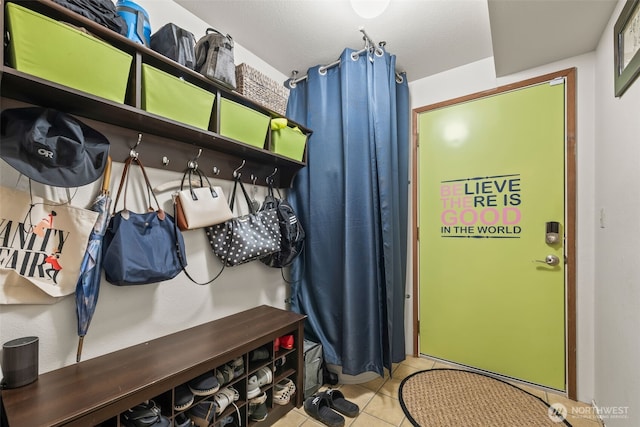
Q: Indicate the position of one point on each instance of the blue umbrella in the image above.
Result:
(88, 286)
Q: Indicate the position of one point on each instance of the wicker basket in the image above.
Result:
(261, 89)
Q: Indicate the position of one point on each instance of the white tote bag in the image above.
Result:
(41, 247)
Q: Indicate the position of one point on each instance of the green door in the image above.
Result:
(491, 176)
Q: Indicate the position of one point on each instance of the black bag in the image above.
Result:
(291, 232)
(247, 237)
(214, 58)
(313, 363)
(101, 11)
(175, 43)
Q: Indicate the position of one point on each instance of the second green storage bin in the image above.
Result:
(174, 98)
(243, 123)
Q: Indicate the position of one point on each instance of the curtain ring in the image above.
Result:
(399, 78)
(379, 52)
(355, 56)
(322, 71)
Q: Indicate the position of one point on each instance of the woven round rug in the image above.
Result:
(451, 397)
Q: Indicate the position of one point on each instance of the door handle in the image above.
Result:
(549, 260)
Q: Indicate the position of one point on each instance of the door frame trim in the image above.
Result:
(570, 227)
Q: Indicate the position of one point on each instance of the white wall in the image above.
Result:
(130, 315)
(617, 270)
(480, 76)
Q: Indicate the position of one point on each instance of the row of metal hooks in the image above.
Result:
(193, 164)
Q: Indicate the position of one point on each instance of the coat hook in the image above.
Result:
(216, 171)
(237, 174)
(253, 179)
(269, 179)
(133, 153)
(165, 160)
(193, 164)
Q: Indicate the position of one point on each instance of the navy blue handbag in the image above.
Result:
(140, 248)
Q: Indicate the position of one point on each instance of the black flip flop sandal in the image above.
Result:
(317, 406)
(339, 403)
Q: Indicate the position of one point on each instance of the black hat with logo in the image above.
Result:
(52, 147)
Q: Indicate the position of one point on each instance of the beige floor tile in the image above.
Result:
(312, 423)
(418, 362)
(582, 422)
(406, 423)
(575, 409)
(392, 385)
(366, 420)
(375, 384)
(357, 394)
(394, 366)
(291, 419)
(386, 408)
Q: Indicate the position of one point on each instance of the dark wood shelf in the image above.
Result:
(227, 154)
(99, 389)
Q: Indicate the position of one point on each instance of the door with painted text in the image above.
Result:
(491, 217)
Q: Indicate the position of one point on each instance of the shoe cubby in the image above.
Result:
(97, 392)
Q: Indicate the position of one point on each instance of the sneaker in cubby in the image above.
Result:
(258, 408)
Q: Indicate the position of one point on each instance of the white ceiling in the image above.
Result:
(427, 36)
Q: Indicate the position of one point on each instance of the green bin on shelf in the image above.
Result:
(288, 142)
(57, 52)
(169, 96)
(243, 123)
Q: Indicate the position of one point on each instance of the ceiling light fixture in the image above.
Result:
(369, 9)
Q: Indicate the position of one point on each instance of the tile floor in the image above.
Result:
(380, 407)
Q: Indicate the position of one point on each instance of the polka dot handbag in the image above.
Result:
(248, 237)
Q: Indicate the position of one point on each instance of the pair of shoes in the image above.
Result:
(259, 354)
(224, 421)
(258, 408)
(262, 377)
(279, 363)
(230, 371)
(204, 385)
(143, 415)
(225, 397)
(265, 376)
(339, 403)
(287, 382)
(286, 342)
(181, 420)
(202, 413)
(283, 391)
(183, 397)
(321, 406)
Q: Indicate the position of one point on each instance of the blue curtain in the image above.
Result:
(352, 201)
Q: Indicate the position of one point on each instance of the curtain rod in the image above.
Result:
(293, 81)
(368, 46)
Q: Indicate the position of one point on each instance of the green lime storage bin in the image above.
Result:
(171, 97)
(54, 51)
(288, 142)
(243, 123)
